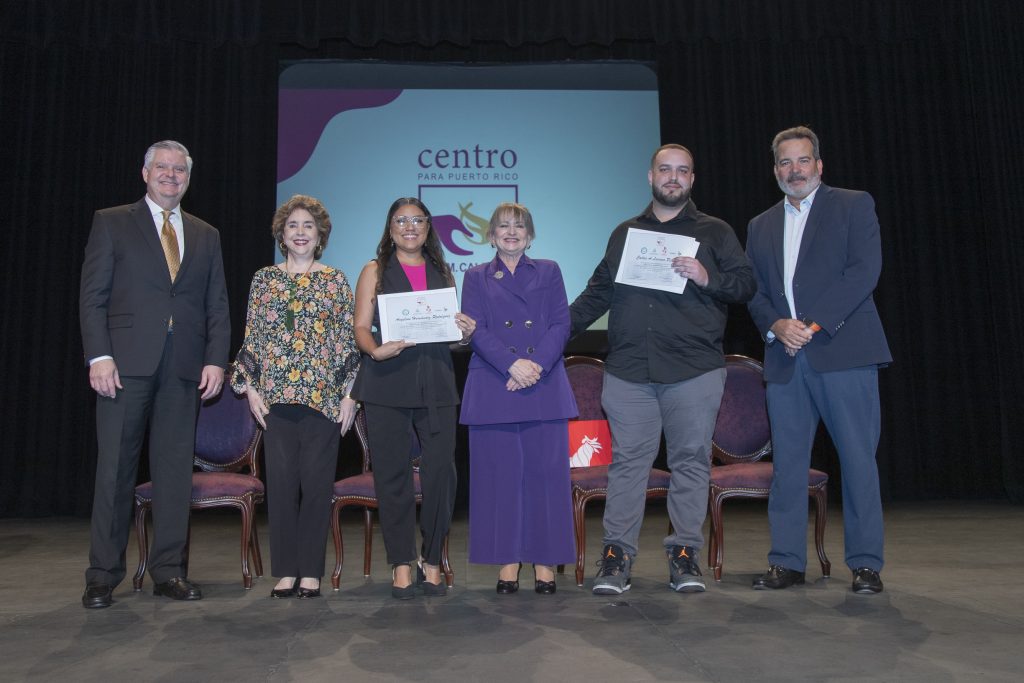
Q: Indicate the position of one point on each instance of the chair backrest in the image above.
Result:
(586, 377)
(227, 436)
(742, 431)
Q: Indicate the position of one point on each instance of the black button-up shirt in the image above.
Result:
(664, 337)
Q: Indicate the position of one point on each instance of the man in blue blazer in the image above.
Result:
(155, 331)
(817, 257)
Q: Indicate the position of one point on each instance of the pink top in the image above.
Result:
(417, 276)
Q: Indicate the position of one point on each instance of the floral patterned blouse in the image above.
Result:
(311, 363)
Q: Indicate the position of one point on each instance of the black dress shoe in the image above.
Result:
(431, 590)
(285, 592)
(178, 588)
(545, 587)
(777, 577)
(403, 593)
(97, 596)
(866, 581)
(309, 592)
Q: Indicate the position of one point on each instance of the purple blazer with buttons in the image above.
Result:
(525, 315)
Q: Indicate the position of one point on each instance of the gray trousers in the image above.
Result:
(637, 414)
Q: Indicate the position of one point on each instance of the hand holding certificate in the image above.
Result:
(647, 260)
(419, 317)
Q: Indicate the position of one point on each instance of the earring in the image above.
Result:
(318, 251)
(282, 248)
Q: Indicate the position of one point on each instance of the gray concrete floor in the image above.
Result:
(951, 611)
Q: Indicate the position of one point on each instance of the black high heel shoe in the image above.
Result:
(285, 592)
(429, 589)
(543, 587)
(405, 593)
(307, 592)
(509, 587)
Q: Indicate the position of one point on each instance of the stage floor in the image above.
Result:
(951, 611)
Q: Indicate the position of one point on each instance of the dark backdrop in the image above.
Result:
(917, 102)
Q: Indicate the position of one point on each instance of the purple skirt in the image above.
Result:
(520, 502)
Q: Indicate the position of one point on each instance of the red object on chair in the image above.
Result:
(742, 439)
(590, 443)
(358, 490)
(586, 376)
(227, 443)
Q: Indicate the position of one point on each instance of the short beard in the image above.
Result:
(812, 184)
(670, 202)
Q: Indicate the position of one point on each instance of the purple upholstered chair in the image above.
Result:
(742, 438)
(227, 443)
(586, 375)
(358, 490)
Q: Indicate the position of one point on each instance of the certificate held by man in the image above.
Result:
(420, 317)
(647, 260)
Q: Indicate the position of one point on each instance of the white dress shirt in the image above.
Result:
(796, 220)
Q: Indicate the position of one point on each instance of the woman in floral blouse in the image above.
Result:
(296, 367)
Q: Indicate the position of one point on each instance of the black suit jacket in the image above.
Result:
(837, 268)
(127, 296)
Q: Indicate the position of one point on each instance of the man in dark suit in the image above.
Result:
(817, 257)
(155, 331)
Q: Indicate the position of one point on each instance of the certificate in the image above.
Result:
(647, 260)
(421, 317)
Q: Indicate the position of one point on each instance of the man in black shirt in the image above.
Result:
(665, 370)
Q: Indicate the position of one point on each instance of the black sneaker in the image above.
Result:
(866, 581)
(613, 572)
(684, 574)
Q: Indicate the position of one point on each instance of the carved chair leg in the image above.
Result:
(716, 537)
(188, 545)
(143, 538)
(820, 518)
(339, 547)
(367, 540)
(257, 558)
(446, 567)
(579, 506)
(247, 515)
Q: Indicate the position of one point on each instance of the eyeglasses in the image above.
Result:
(416, 221)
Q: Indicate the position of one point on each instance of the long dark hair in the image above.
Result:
(431, 248)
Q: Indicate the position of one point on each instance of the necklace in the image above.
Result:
(294, 305)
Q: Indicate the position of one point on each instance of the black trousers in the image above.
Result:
(300, 448)
(390, 435)
(169, 405)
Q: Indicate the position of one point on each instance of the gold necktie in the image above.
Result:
(169, 241)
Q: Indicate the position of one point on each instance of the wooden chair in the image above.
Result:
(742, 439)
(358, 490)
(227, 444)
(586, 376)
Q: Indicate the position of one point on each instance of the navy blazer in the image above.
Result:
(520, 316)
(127, 297)
(837, 269)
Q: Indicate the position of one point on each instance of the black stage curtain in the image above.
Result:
(916, 102)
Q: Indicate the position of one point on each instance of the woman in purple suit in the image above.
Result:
(516, 402)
